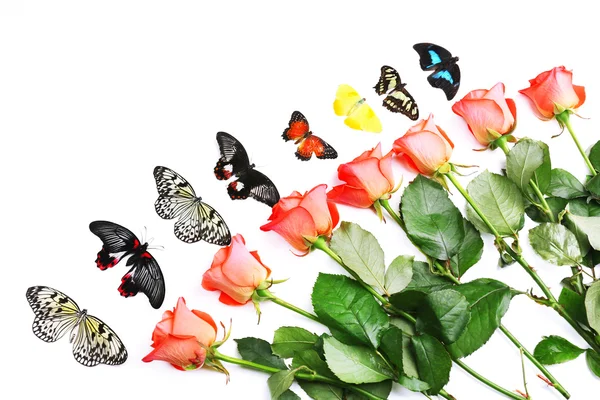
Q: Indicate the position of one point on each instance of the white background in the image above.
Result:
(94, 95)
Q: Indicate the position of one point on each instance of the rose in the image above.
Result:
(181, 337)
(425, 147)
(300, 219)
(368, 178)
(552, 92)
(487, 113)
(236, 272)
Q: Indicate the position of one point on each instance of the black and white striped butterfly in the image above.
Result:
(94, 342)
(234, 161)
(144, 276)
(398, 99)
(197, 220)
(446, 73)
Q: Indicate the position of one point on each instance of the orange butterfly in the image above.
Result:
(308, 143)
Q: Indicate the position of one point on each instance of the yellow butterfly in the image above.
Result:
(359, 114)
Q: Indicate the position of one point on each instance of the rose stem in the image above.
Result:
(321, 244)
(551, 300)
(299, 375)
(444, 272)
(267, 294)
(563, 119)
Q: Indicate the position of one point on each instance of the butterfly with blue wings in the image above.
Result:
(446, 75)
(94, 342)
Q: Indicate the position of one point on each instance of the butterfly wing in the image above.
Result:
(316, 145)
(254, 184)
(400, 101)
(117, 241)
(175, 194)
(363, 118)
(345, 100)
(234, 158)
(145, 276)
(55, 312)
(298, 127)
(96, 343)
(388, 79)
(431, 55)
(447, 79)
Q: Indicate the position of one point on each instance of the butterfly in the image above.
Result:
(446, 75)
(197, 220)
(299, 131)
(144, 276)
(234, 161)
(359, 115)
(398, 99)
(56, 314)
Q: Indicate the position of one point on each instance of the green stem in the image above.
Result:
(528, 268)
(313, 377)
(321, 244)
(265, 293)
(564, 120)
(444, 272)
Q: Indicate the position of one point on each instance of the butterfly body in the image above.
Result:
(144, 274)
(308, 143)
(234, 162)
(359, 115)
(446, 73)
(197, 220)
(398, 99)
(93, 341)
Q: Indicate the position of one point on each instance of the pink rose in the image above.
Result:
(425, 147)
(552, 92)
(300, 219)
(179, 337)
(368, 178)
(487, 113)
(236, 272)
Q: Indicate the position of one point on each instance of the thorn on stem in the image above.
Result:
(545, 380)
(522, 394)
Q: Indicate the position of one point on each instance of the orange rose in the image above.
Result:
(425, 147)
(236, 272)
(552, 92)
(179, 337)
(488, 114)
(300, 219)
(368, 178)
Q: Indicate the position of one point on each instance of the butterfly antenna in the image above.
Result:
(156, 247)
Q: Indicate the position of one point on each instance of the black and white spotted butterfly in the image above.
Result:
(197, 220)
(234, 161)
(144, 276)
(94, 342)
(446, 73)
(398, 99)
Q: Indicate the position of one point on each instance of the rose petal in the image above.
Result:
(348, 195)
(292, 226)
(183, 352)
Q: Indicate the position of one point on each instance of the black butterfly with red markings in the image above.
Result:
(299, 131)
(234, 161)
(144, 276)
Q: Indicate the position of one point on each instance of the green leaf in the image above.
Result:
(379, 389)
(413, 384)
(584, 209)
(489, 300)
(500, 201)
(469, 252)
(592, 306)
(348, 309)
(564, 184)
(311, 359)
(433, 222)
(423, 282)
(355, 364)
(409, 361)
(593, 186)
(556, 350)
(556, 205)
(555, 243)
(280, 382)
(593, 361)
(289, 395)
(574, 305)
(523, 160)
(594, 156)
(399, 274)
(289, 340)
(433, 362)
(444, 314)
(391, 346)
(361, 252)
(543, 174)
(259, 351)
(589, 226)
(321, 391)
